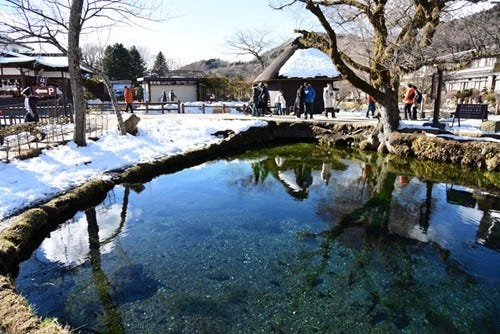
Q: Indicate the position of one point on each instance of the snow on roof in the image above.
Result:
(308, 63)
(9, 57)
(53, 61)
(49, 61)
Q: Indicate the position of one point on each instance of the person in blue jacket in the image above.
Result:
(310, 95)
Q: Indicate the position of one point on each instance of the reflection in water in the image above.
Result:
(289, 240)
(326, 172)
(113, 322)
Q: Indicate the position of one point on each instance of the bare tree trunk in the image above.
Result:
(74, 55)
(112, 96)
(389, 121)
(114, 101)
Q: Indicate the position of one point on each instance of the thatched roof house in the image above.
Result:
(295, 65)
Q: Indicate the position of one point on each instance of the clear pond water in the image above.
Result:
(285, 240)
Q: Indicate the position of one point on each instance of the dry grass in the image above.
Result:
(29, 153)
(220, 110)
(16, 316)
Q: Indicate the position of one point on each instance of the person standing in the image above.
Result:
(417, 99)
(371, 106)
(299, 101)
(171, 96)
(329, 100)
(255, 100)
(309, 99)
(30, 104)
(280, 103)
(264, 98)
(163, 96)
(129, 98)
(408, 100)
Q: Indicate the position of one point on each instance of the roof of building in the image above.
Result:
(13, 59)
(297, 61)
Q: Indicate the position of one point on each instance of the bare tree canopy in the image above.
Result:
(396, 38)
(43, 21)
(252, 42)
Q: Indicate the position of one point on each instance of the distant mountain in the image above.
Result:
(236, 70)
(476, 31)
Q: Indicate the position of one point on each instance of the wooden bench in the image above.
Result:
(471, 111)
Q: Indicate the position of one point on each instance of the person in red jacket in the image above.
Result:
(371, 106)
(408, 100)
(129, 98)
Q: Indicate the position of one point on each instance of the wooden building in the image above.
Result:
(18, 71)
(295, 65)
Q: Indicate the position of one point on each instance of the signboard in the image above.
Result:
(44, 90)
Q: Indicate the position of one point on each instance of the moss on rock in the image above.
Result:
(16, 315)
(472, 154)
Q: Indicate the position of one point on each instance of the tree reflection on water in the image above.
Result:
(385, 198)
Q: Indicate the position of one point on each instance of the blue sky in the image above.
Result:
(198, 29)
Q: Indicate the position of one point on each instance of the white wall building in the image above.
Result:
(185, 88)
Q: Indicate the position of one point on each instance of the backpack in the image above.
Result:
(418, 96)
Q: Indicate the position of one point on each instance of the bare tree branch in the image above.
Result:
(251, 42)
(46, 21)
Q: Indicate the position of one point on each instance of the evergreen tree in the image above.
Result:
(117, 63)
(160, 66)
(137, 63)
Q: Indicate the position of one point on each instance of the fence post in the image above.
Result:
(203, 108)
(70, 108)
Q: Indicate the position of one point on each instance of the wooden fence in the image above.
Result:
(176, 107)
(14, 113)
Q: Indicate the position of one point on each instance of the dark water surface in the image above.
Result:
(286, 240)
